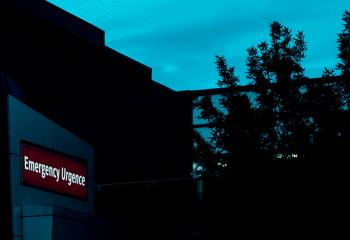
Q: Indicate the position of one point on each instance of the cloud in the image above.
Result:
(169, 68)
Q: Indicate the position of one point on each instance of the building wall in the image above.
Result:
(51, 61)
(56, 223)
(26, 124)
(140, 130)
(104, 97)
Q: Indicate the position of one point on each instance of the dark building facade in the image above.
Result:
(59, 65)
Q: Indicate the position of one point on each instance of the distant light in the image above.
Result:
(222, 164)
(286, 156)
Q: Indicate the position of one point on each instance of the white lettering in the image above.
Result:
(25, 162)
(72, 178)
(69, 178)
(83, 181)
(56, 173)
(31, 166)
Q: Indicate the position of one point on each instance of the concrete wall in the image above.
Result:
(55, 223)
(26, 124)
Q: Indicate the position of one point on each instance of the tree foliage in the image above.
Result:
(344, 46)
(275, 68)
(289, 116)
(344, 56)
(231, 136)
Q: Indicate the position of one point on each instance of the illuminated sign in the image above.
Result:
(53, 171)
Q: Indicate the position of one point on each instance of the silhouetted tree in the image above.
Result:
(206, 158)
(344, 46)
(327, 101)
(344, 85)
(275, 68)
(323, 102)
(233, 135)
(290, 116)
(344, 56)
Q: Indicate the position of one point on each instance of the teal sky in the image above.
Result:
(179, 39)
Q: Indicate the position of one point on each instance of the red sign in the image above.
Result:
(53, 171)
